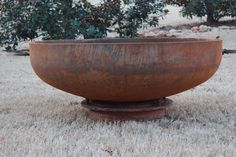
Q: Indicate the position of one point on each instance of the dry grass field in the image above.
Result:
(38, 120)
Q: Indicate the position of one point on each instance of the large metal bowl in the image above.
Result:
(126, 70)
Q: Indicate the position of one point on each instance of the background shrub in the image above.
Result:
(58, 19)
(66, 19)
(133, 14)
(16, 23)
(213, 9)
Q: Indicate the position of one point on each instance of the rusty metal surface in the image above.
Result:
(148, 110)
(122, 70)
(126, 106)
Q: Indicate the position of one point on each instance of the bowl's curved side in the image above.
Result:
(126, 72)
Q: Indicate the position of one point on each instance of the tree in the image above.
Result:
(58, 19)
(16, 23)
(124, 17)
(133, 14)
(67, 19)
(213, 9)
(233, 10)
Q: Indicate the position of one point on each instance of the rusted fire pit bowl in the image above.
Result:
(126, 78)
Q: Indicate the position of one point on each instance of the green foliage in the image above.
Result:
(57, 19)
(133, 14)
(16, 23)
(213, 9)
(233, 10)
(66, 19)
(97, 20)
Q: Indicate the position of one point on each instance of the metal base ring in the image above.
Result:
(146, 110)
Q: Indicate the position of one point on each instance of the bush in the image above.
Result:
(66, 19)
(213, 9)
(28, 19)
(133, 14)
(58, 19)
(233, 10)
(16, 23)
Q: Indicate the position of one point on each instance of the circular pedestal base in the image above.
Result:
(147, 110)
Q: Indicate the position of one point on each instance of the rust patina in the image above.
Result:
(122, 71)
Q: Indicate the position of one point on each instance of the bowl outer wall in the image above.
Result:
(122, 72)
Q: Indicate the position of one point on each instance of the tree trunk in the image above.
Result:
(210, 18)
(67, 17)
(210, 12)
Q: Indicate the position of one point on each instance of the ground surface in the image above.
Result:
(38, 120)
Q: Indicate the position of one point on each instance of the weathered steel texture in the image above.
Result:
(123, 116)
(151, 105)
(148, 110)
(125, 70)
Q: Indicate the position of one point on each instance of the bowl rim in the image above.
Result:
(124, 41)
